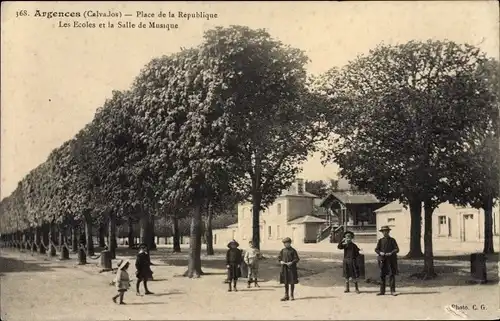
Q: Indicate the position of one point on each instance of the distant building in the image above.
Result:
(463, 224)
(354, 211)
(292, 215)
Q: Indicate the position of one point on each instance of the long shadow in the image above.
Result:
(168, 293)
(10, 265)
(255, 289)
(315, 297)
(144, 303)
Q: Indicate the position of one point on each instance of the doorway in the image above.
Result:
(469, 232)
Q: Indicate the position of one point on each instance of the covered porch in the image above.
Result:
(352, 211)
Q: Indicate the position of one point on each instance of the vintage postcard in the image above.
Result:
(218, 160)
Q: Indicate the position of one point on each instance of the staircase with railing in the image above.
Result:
(323, 233)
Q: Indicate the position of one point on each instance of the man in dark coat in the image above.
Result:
(387, 249)
(234, 258)
(350, 266)
(288, 259)
(143, 266)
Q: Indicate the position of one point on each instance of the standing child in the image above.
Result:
(252, 256)
(350, 264)
(288, 258)
(143, 266)
(122, 281)
(387, 250)
(233, 264)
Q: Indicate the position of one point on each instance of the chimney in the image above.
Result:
(299, 186)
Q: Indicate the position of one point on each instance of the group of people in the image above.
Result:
(143, 274)
(386, 249)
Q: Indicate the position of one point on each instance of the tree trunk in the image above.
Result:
(415, 230)
(256, 202)
(112, 235)
(428, 272)
(74, 238)
(194, 261)
(152, 233)
(88, 234)
(130, 234)
(61, 238)
(145, 233)
(102, 235)
(488, 227)
(208, 231)
(176, 235)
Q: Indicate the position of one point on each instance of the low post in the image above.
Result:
(64, 255)
(106, 260)
(52, 250)
(478, 267)
(82, 256)
(33, 248)
(361, 265)
(42, 249)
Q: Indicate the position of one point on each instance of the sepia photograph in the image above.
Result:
(238, 160)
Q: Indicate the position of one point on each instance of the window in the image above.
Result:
(215, 238)
(279, 208)
(278, 232)
(443, 229)
(391, 220)
(468, 216)
(269, 232)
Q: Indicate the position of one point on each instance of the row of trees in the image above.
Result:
(233, 119)
(198, 131)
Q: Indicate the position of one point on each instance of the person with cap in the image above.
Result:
(234, 258)
(122, 280)
(350, 266)
(143, 267)
(387, 249)
(252, 256)
(288, 259)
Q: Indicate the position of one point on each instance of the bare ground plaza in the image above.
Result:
(34, 287)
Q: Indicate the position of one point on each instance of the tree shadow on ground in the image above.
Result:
(10, 265)
(325, 270)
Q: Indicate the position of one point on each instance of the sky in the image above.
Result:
(53, 79)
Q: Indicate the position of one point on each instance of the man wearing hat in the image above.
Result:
(350, 266)
(143, 267)
(234, 257)
(288, 259)
(387, 249)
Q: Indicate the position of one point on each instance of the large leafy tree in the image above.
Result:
(273, 120)
(403, 112)
(479, 164)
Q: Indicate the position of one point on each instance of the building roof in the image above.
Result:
(289, 192)
(350, 198)
(391, 207)
(307, 219)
